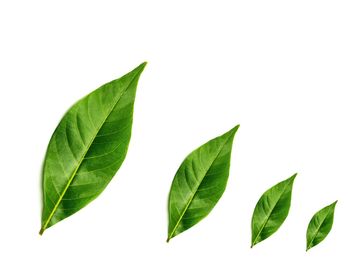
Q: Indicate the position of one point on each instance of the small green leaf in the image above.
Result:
(199, 183)
(87, 148)
(320, 225)
(271, 210)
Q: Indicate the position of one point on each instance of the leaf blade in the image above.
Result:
(271, 210)
(199, 183)
(320, 225)
(83, 146)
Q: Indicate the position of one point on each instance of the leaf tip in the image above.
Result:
(139, 69)
(167, 240)
(142, 66)
(293, 177)
(333, 204)
(233, 130)
(236, 127)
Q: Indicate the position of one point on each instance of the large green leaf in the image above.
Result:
(87, 148)
(271, 210)
(199, 183)
(320, 225)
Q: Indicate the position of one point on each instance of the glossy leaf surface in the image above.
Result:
(271, 210)
(320, 225)
(199, 183)
(87, 148)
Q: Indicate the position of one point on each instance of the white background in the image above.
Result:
(279, 68)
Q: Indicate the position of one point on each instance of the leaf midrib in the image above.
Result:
(268, 217)
(83, 157)
(196, 190)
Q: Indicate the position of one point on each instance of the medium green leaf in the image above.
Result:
(87, 148)
(199, 183)
(271, 210)
(320, 225)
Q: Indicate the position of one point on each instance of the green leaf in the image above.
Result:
(199, 183)
(320, 225)
(271, 210)
(87, 148)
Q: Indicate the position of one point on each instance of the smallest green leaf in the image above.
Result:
(320, 225)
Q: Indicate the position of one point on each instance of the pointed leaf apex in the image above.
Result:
(233, 130)
(333, 204)
(141, 66)
(138, 70)
(293, 177)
